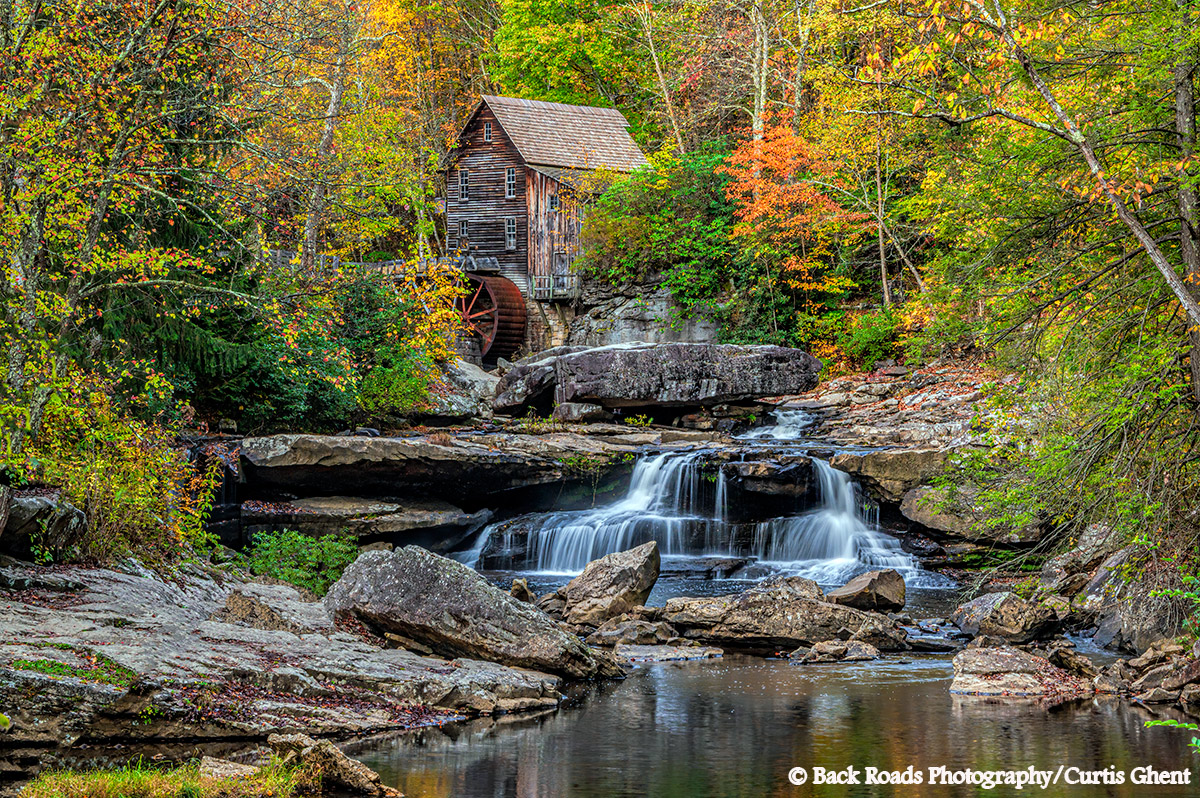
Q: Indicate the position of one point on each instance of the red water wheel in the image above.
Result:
(494, 310)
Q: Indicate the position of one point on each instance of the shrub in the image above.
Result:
(870, 337)
(137, 487)
(306, 562)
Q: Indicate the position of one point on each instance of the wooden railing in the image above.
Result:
(556, 287)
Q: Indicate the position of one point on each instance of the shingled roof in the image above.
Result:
(567, 136)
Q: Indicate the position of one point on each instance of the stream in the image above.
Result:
(736, 726)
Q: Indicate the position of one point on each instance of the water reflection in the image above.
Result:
(735, 727)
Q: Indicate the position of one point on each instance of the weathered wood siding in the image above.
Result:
(486, 207)
(553, 234)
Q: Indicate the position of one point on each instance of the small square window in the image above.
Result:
(464, 185)
(510, 233)
(510, 182)
(487, 132)
(463, 229)
(553, 202)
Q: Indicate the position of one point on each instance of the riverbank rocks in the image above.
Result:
(891, 473)
(336, 772)
(450, 608)
(580, 413)
(1066, 574)
(641, 375)
(464, 391)
(1006, 615)
(960, 517)
(40, 523)
(835, 651)
(612, 585)
(778, 614)
(1004, 672)
(874, 590)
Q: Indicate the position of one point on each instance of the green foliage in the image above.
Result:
(669, 222)
(870, 337)
(140, 779)
(100, 669)
(312, 563)
(641, 420)
(134, 483)
(397, 388)
(1178, 724)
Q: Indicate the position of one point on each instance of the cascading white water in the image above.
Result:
(666, 500)
(789, 425)
(670, 500)
(836, 540)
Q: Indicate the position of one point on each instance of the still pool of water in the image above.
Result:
(735, 727)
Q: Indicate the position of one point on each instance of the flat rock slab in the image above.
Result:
(1008, 672)
(630, 653)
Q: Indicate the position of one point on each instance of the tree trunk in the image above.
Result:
(1189, 217)
(316, 199)
(883, 269)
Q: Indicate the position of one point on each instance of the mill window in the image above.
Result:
(510, 233)
(487, 132)
(463, 229)
(553, 202)
(464, 185)
(510, 182)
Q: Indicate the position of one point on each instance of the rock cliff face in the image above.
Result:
(643, 375)
(634, 313)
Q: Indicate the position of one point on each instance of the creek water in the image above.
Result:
(737, 725)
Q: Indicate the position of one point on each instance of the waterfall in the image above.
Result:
(834, 541)
(674, 500)
(789, 425)
(667, 499)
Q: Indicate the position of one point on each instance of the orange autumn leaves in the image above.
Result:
(785, 214)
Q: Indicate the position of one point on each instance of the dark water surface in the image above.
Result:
(735, 727)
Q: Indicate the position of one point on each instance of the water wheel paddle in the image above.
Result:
(494, 310)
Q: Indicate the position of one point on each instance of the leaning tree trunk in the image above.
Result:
(1189, 216)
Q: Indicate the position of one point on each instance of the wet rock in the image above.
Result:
(874, 590)
(337, 772)
(41, 525)
(960, 517)
(1009, 672)
(1006, 615)
(893, 472)
(1190, 694)
(705, 567)
(630, 654)
(1157, 695)
(223, 769)
(552, 604)
(656, 375)
(836, 651)
(632, 632)
(779, 614)
(1183, 676)
(1074, 663)
(453, 610)
(521, 592)
(580, 413)
(612, 585)
(1152, 678)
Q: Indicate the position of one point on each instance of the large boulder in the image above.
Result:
(612, 585)
(961, 517)
(1006, 615)
(337, 772)
(1009, 672)
(41, 526)
(632, 313)
(874, 590)
(451, 609)
(836, 651)
(890, 473)
(464, 391)
(1067, 573)
(673, 375)
(778, 614)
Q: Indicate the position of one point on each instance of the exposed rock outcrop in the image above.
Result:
(1009, 672)
(337, 772)
(41, 524)
(673, 375)
(465, 391)
(959, 517)
(1007, 616)
(631, 313)
(452, 609)
(890, 473)
(612, 585)
(779, 614)
(874, 590)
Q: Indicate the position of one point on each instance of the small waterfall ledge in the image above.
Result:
(681, 500)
